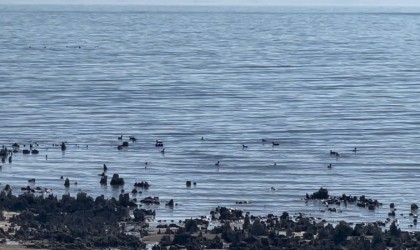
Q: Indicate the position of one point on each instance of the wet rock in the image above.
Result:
(191, 226)
(414, 206)
(116, 180)
(104, 180)
(67, 182)
(322, 193)
(139, 215)
(341, 232)
(258, 228)
(151, 200)
(143, 184)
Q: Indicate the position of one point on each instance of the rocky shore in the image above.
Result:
(84, 222)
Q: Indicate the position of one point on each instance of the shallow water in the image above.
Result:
(313, 80)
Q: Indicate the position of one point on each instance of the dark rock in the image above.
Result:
(151, 200)
(116, 180)
(104, 180)
(67, 182)
(341, 232)
(139, 215)
(170, 203)
(320, 194)
(191, 226)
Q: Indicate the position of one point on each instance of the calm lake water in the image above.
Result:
(311, 79)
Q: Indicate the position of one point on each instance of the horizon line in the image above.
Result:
(206, 5)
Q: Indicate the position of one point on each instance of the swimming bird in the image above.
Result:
(163, 151)
(120, 138)
(334, 153)
(159, 143)
(354, 150)
(133, 139)
(329, 166)
(217, 163)
(63, 146)
(202, 138)
(244, 146)
(275, 144)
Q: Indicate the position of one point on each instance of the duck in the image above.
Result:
(217, 163)
(63, 146)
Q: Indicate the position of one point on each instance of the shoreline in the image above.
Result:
(82, 221)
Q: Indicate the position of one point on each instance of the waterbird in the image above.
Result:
(217, 163)
(159, 143)
(63, 146)
(275, 143)
(132, 138)
(354, 150)
(334, 153)
(120, 138)
(163, 150)
(244, 146)
(329, 166)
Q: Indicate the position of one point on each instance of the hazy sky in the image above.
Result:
(226, 2)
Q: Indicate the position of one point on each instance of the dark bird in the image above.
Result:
(63, 146)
